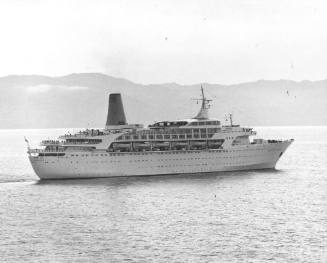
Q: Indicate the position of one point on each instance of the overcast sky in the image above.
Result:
(166, 41)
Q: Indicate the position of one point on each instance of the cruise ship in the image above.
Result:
(196, 145)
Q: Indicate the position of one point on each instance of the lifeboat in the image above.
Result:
(180, 145)
(121, 146)
(215, 144)
(142, 146)
(198, 144)
(161, 145)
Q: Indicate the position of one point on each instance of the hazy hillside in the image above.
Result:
(80, 100)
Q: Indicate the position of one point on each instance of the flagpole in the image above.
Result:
(28, 144)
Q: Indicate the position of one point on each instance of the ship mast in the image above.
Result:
(203, 113)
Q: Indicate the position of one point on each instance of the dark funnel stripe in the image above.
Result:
(116, 114)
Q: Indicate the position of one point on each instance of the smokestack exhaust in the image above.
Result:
(116, 114)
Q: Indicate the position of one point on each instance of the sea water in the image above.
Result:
(254, 216)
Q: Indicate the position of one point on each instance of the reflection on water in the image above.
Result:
(249, 216)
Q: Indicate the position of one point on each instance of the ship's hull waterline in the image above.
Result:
(111, 164)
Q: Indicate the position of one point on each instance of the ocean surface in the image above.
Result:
(255, 216)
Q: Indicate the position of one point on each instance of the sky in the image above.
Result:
(153, 41)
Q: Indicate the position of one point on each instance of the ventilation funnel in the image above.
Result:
(116, 114)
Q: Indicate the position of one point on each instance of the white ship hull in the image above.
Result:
(105, 164)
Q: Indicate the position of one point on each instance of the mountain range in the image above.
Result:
(81, 100)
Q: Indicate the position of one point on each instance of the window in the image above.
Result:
(151, 137)
(135, 137)
(127, 137)
(174, 136)
(159, 136)
(167, 136)
(143, 137)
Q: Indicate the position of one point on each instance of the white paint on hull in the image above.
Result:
(104, 164)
